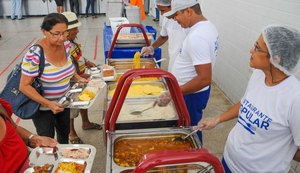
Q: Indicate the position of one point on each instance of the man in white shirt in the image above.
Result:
(193, 66)
(171, 31)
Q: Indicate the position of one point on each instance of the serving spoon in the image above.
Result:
(185, 137)
(141, 111)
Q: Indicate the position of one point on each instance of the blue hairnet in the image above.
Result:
(283, 43)
(164, 3)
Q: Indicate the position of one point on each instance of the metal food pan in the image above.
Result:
(123, 64)
(119, 135)
(45, 155)
(146, 79)
(133, 38)
(152, 118)
(141, 86)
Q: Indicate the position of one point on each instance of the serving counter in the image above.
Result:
(125, 52)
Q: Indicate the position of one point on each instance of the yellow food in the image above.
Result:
(137, 60)
(141, 90)
(86, 95)
(138, 79)
(70, 167)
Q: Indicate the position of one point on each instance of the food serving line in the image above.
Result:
(141, 142)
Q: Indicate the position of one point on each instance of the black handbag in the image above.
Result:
(23, 106)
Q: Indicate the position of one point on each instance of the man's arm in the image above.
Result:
(160, 41)
(203, 79)
(297, 155)
(34, 140)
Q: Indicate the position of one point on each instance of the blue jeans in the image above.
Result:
(195, 103)
(16, 7)
(46, 123)
(88, 4)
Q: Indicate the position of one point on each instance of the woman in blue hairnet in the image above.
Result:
(266, 137)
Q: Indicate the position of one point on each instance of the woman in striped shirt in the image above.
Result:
(55, 78)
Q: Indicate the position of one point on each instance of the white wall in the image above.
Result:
(239, 23)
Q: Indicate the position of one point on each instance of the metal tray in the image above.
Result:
(124, 64)
(113, 137)
(133, 38)
(44, 155)
(141, 93)
(146, 79)
(71, 100)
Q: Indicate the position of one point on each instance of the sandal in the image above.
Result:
(94, 126)
(75, 140)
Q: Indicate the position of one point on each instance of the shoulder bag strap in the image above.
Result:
(42, 60)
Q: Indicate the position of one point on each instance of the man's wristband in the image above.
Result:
(29, 139)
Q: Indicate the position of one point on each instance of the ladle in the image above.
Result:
(141, 111)
(185, 137)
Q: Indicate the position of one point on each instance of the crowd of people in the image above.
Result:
(265, 137)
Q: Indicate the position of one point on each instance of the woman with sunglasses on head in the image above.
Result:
(266, 137)
(58, 71)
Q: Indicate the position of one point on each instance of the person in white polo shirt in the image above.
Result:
(266, 137)
(193, 66)
(171, 31)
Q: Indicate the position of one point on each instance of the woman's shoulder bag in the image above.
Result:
(23, 106)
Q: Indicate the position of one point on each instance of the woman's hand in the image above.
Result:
(208, 123)
(42, 141)
(55, 107)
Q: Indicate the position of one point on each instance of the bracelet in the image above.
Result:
(29, 139)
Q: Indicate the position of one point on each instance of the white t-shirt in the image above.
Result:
(199, 47)
(176, 34)
(267, 133)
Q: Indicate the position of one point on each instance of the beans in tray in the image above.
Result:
(43, 168)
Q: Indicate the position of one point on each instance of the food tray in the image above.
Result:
(144, 79)
(156, 113)
(54, 156)
(140, 89)
(71, 97)
(152, 118)
(133, 38)
(124, 64)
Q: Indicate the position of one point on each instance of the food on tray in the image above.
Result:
(140, 90)
(87, 94)
(128, 64)
(70, 167)
(137, 60)
(42, 169)
(138, 79)
(107, 71)
(133, 36)
(128, 152)
(156, 113)
(75, 153)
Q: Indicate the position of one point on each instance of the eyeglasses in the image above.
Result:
(256, 48)
(59, 34)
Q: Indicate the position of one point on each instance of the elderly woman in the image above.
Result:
(55, 78)
(266, 137)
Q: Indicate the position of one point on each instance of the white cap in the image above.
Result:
(177, 5)
(72, 19)
(164, 3)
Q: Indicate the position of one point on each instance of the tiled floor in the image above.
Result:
(17, 35)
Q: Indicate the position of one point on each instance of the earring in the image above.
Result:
(45, 36)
